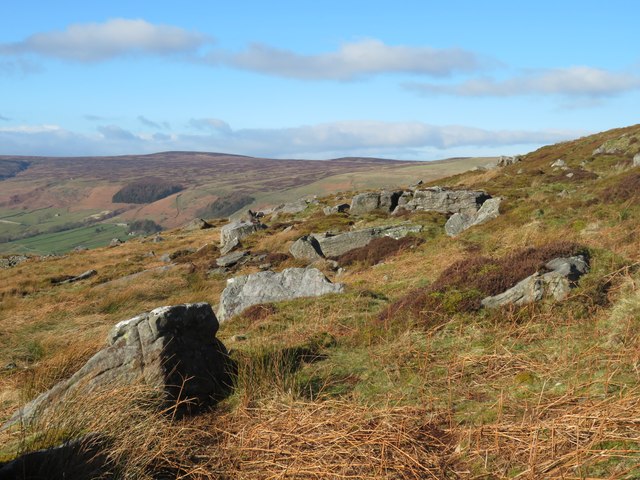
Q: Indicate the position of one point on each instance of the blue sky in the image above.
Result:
(404, 79)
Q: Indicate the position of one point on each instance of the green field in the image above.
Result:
(93, 236)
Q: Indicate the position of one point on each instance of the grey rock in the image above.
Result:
(444, 200)
(166, 258)
(233, 243)
(115, 242)
(236, 231)
(231, 259)
(559, 163)
(172, 349)
(336, 245)
(263, 287)
(340, 208)
(77, 278)
(557, 282)
(385, 201)
(238, 338)
(196, 224)
(157, 239)
(214, 272)
(636, 160)
(12, 261)
(306, 248)
(505, 161)
(459, 222)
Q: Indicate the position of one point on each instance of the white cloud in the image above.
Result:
(352, 60)
(375, 138)
(152, 124)
(577, 81)
(214, 124)
(90, 42)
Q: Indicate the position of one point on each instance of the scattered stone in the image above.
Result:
(166, 258)
(569, 175)
(233, 243)
(459, 222)
(562, 275)
(238, 338)
(416, 185)
(157, 239)
(115, 242)
(70, 279)
(559, 163)
(265, 266)
(172, 349)
(214, 272)
(196, 224)
(306, 248)
(264, 287)
(636, 160)
(10, 366)
(231, 259)
(341, 208)
(12, 261)
(80, 248)
(520, 171)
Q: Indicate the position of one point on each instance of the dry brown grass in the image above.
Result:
(330, 440)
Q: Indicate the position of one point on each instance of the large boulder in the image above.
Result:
(172, 349)
(385, 201)
(340, 208)
(444, 200)
(232, 233)
(196, 224)
(562, 275)
(263, 287)
(459, 222)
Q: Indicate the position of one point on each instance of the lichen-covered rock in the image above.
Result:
(636, 160)
(231, 259)
(505, 161)
(264, 287)
(562, 275)
(341, 208)
(172, 349)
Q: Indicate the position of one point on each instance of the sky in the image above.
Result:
(417, 80)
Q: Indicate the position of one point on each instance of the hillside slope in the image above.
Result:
(405, 375)
(44, 196)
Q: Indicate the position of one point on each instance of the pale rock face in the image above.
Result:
(636, 160)
(264, 287)
(443, 200)
(160, 348)
(233, 232)
(371, 201)
(557, 283)
(459, 222)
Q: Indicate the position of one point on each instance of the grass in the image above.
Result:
(325, 390)
(93, 236)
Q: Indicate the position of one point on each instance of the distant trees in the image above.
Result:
(143, 227)
(225, 206)
(145, 191)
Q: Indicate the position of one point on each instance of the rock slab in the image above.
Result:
(459, 222)
(263, 287)
(172, 349)
(233, 232)
(562, 275)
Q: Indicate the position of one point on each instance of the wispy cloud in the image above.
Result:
(579, 81)
(4, 119)
(210, 124)
(377, 138)
(17, 67)
(352, 60)
(91, 42)
(151, 124)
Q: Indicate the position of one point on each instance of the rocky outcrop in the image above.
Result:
(315, 246)
(384, 201)
(561, 274)
(196, 224)
(505, 161)
(443, 200)
(636, 160)
(171, 349)
(459, 222)
(12, 261)
(263, 287)
(341, 208)
(232, 233)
